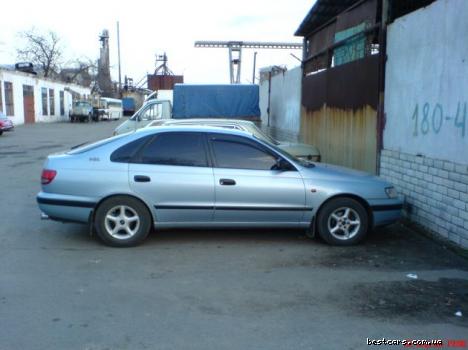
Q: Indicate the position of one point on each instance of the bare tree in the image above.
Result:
(43, 50)
(80, 70)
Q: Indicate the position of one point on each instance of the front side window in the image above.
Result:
(52, 101)
(237, 153)
(176, 148)
(44, 101)
(9, 103)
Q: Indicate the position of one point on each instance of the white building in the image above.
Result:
(26, 98)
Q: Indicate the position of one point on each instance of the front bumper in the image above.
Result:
(386, 211)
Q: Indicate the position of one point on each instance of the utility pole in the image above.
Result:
(118, 55)
(254, 64)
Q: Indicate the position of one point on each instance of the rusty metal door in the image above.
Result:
(28, 104)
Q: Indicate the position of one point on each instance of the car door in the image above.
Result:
(173, 174)
(248, 189)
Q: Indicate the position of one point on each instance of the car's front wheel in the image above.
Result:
(122, 221)
(342, 221)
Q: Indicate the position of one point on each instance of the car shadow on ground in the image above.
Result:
(390, 252)
(395, 247)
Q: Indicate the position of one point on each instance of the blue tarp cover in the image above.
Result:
(215, 101)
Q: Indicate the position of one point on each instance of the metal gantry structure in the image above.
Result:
(235, 52)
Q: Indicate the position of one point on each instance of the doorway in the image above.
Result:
(28, 104)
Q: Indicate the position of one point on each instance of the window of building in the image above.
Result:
(9, 103)
(44, 101)
(62, 103)
(1, 99)
(176, 148)
(233, 152)
(52, 101)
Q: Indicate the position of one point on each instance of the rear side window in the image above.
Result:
(125, 153)
(234, 153)
(176, 148)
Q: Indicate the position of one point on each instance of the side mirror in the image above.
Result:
(281, 165)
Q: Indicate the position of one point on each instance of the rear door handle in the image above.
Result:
(141, 178)
(227, 182)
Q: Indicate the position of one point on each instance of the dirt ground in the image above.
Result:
(262, 289)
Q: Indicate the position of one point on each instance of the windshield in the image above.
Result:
(82, 104)
(261, 135)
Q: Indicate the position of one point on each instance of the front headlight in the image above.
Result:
(391, 192)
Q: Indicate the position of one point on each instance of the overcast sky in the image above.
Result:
(151, 27)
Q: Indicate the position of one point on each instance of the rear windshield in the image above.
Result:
(90, 145)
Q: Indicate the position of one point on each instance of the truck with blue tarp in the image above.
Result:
(237, 101)
(128, 105)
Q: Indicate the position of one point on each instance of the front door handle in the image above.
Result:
(227, 182)
(141, 178)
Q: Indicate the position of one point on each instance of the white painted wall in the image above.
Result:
(285, 102)
(426, 82)
(19, 79)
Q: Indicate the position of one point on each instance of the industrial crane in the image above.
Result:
(235, 52)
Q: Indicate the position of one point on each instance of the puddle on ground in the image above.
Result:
(11, 153)
(47, 147)
(17, 164)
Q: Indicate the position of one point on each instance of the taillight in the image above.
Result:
(47, 176)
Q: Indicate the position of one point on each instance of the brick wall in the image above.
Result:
(436, 192)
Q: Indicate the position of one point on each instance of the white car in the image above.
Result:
(153, 109)
(299, 150)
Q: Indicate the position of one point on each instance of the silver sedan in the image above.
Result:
(186, 176)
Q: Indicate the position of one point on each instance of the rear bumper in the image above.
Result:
(65, 208)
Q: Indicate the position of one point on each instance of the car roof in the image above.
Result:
(192, 128)
(207, 120)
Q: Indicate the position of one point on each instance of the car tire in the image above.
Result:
(1, 132)
(342, 221)
(130, 224)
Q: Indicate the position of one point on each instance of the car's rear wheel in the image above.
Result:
(342, 221)
(122, 221)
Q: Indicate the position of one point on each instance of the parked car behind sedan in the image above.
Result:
(299, 150)
(186, 176)
(5, 123)
(81, 111)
